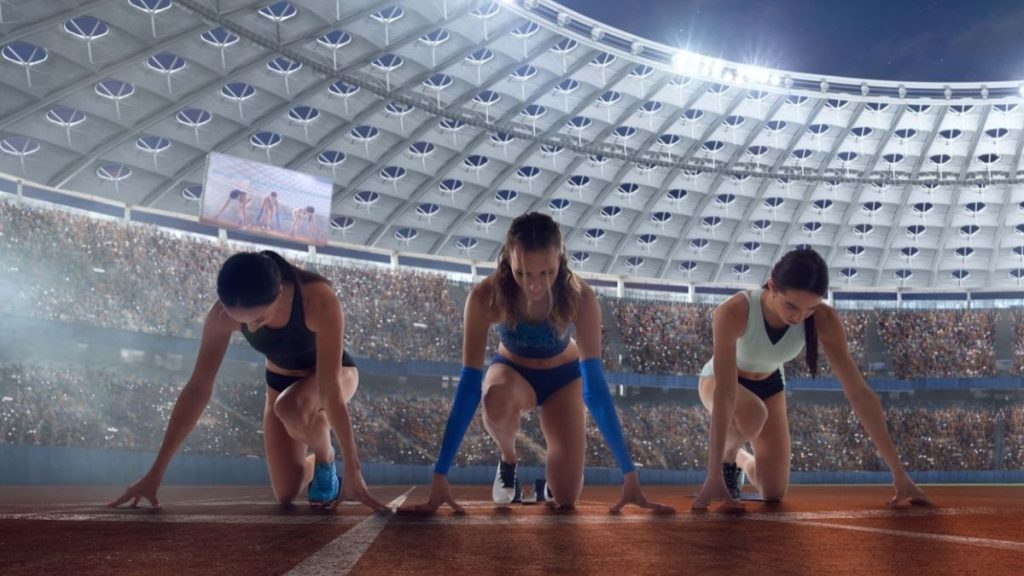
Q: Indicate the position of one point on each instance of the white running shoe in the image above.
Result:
(506, 484)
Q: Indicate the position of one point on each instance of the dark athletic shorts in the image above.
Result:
(281, 382)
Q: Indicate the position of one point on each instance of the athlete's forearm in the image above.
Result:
(340, 420)
(868, 409)
(187, 410)
(724, 404)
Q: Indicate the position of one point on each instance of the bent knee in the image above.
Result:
(286, 495)
(774, 494)
(566, 491)
(498, 404)
(349, 383)
(566, 497)
(288, 412)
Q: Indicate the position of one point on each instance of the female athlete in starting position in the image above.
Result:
(755, 333)
(536, 301)
(243, 199)
(294, 318)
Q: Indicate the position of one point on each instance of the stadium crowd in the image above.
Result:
(940, 343)
(105, 272)
(47, 404)
(87, 270)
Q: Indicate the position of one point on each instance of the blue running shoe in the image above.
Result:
(324, 487)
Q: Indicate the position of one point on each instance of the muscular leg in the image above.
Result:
(772, 451)
(299, 411)
(285, 455)
(506, 396)
(748, 419)
(298, 408)
(563, 421)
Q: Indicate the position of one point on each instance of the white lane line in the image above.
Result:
(948, 538)
(146, 516)
(73, 507)
(576, 518)
(340, 555)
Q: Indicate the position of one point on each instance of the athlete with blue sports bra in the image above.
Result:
(755, 333)
(536, 301)
(294, 318)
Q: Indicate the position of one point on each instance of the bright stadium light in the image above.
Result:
(686, 62)
(716, 68)
(755, 74)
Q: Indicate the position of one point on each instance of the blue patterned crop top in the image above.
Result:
(533, 340)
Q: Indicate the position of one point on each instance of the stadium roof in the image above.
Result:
(440, 121)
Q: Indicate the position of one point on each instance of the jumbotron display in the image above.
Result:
(256, 197)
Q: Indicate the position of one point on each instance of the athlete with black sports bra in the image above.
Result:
(294, 318)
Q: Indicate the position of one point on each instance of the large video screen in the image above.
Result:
(264, 199)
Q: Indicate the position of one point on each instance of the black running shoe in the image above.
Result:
(733, 479)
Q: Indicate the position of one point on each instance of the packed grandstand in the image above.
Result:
(71, 268)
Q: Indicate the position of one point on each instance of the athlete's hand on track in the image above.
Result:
(144, 487)
(353, 486)
(908, 494)
(714, 489)
(440, 493)
(633, 494)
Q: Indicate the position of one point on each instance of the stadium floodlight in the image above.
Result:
(686, 62)
(715, 67)
(754, 74)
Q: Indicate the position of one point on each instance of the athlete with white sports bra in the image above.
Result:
(755, 333)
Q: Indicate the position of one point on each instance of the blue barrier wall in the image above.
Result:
(48, 465)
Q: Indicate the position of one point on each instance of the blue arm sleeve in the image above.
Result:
(599, 403)
(467, 398)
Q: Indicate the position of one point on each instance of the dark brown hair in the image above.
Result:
(252, 279)
(803, 269)
(535, 231)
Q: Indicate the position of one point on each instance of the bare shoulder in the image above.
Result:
(217, 320)
(480, 297)
(480, 294)
(318, 293)
(734, 310)
(827, 323)
(587, 293)
(318, 298)
(588, 307)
